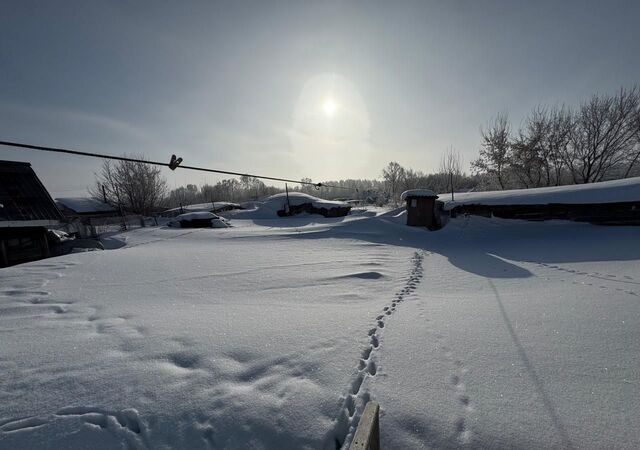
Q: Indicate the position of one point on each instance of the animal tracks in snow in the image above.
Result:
(25, 297)
(124, 424)
(367, 365)
(461, 429)
(622, 280)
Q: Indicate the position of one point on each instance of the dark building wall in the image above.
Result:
(624, 213)
(420, 212)
(24, 244)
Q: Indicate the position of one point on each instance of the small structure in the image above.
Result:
(85, 213)
(200, 219)
(85, 207)
(421, 208)
(212, 207)
(293, 203)
(26, 210)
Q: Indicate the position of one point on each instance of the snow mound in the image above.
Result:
(268, 208)
(202, 207)
(195, 219)
(276, 202)
(417, 193)
(197, 215)
(616, 191)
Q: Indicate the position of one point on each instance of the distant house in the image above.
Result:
(26, 210)
(85, 213)
(85, 207)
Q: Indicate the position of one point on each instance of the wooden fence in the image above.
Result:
(368, 432)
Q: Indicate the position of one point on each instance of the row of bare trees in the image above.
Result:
(449, 177)
(239, 189)
(140, 188)
(597, 141)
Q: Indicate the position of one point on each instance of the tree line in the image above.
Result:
(555, 145)
(597, 141)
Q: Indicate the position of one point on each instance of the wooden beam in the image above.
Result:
(368, 432)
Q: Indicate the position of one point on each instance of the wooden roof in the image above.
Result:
(23, 198)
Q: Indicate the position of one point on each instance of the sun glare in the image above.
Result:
(329, 107)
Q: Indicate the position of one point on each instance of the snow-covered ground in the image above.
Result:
(272, 334)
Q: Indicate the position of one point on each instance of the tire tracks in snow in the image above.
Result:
(357, 398)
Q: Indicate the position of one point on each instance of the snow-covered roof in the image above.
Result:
(196, 216)
(278, 201)
(418, 193)
(209, 206)
(616, 191)
(84, 205)
(216, 221)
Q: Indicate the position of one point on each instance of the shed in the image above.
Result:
(421, 208)
(26, 209)
(85, 207)
(84, 214)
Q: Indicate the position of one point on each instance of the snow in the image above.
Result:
(272, 334)
(216, 221)
(417, 193)
(277, 201)
(267, 208)
(626, 190)
(209, 206)
(85, 205)
(196, 216)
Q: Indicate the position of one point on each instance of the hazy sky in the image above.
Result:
(325, 90)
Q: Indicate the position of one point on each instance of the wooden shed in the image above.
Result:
(421, 208)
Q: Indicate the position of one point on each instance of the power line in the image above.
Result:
(172, 165)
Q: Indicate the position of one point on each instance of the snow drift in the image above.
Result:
(486, 334)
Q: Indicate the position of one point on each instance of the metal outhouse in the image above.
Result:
(421, 208)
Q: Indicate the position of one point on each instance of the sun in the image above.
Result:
(329, 106)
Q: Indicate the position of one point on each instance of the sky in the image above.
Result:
(325, 90)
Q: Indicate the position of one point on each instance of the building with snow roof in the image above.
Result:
(26, 210)
(421, 211)
(85, 207)
(84, 214)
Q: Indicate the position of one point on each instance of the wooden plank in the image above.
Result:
(368, 432)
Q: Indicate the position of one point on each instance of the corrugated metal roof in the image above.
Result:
(22, 195)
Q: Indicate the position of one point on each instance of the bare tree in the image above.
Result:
(494, 154)
(526, 160)
(394, 175)
(634, 154)
(451, 167)
(136, 186)
(555, 143)
(603, 136)
(307, 188)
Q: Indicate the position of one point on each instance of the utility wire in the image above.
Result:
(158, 163)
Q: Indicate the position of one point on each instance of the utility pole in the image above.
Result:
(451, 181)
(286, 188)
